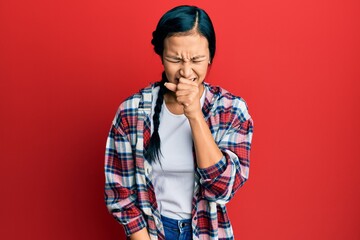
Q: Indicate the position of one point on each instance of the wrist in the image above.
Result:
(196, 117)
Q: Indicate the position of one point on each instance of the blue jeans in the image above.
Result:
(177, 229)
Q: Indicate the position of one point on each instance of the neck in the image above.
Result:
(170, 97)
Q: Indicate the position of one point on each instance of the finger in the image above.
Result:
(185, 92)
(185, 100)
(170, 86)
(181, 100)
(185, 87)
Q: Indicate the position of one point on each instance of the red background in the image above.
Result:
(65, 66)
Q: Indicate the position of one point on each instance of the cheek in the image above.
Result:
(170, 70)
(202, 71)
(170, 74)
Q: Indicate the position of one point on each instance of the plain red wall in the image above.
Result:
(65, 66)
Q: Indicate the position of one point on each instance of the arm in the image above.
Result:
(206, 150)
(223, 162)
(140, 235)
(120, 189)
(188, 94)
(223, 179)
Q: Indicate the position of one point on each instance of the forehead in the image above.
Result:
(186, 44)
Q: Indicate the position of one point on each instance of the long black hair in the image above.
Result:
(180, 20)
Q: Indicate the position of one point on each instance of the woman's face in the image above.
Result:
(186, 56)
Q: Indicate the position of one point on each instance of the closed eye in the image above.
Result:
(178, 60)
(173, 60)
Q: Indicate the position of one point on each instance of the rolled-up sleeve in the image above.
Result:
(222, 180)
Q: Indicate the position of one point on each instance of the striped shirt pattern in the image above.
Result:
(129, 192)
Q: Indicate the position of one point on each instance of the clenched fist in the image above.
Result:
(188, 94)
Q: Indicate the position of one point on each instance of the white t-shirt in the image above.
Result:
(173, 179)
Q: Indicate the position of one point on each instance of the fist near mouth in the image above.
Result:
(187, 93)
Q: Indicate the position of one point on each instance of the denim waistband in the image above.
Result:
(181, 225)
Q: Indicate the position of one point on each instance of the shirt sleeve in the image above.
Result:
(120, 191)
(233, 137)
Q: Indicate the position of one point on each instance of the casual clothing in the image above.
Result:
(174, 176)
(177, 229)
(129, 191)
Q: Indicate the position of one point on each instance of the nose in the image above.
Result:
(186, 70)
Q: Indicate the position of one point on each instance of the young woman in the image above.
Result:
(178, 150)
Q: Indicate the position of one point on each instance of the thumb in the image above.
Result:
(170, 86)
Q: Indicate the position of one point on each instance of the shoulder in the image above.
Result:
(141, 99)
(128, 109)
(135, 100)
(221, 100)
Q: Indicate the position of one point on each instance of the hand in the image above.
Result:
(187, 93)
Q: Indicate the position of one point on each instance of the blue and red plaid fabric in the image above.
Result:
(129, 193)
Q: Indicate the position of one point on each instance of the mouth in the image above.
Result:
(192, 79)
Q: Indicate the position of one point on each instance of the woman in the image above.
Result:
(179, 149)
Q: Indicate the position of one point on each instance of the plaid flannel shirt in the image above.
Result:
(129, 193)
